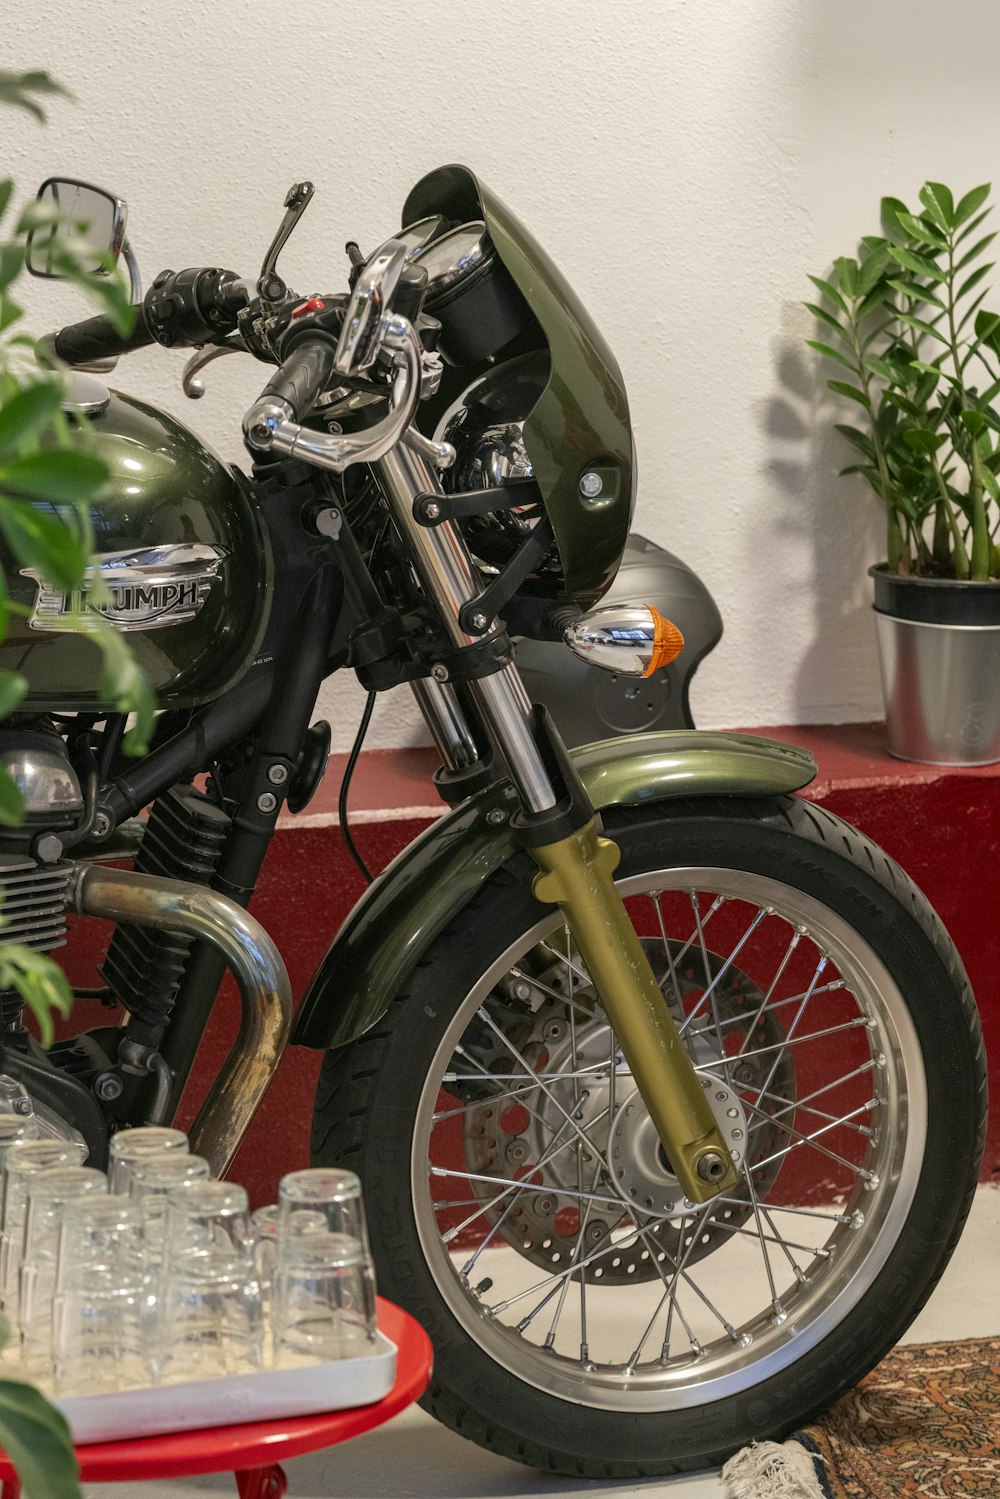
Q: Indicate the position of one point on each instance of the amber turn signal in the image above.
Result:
(668, 642)
(632, 639)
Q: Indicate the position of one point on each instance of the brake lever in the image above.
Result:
(191, 383)
(268, 425)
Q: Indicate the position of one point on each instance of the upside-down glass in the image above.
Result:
(333, 1192)
(23, 1159)
(210, 1316)
(102, 1319)
(49, 1193)
(131, 1145)
(151, 1180)
(323, 1298)
(264, 1230)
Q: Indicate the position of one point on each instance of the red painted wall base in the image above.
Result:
(943, 827)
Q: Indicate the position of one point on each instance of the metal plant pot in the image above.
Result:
(939, 650)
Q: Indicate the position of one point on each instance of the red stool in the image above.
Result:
(253, 1450)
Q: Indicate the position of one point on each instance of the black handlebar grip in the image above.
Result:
(303, 376)
(98, 338)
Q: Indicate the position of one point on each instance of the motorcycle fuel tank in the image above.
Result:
(183, 562)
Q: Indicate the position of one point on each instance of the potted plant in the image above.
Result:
(919, 354)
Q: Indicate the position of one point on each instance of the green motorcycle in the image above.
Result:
(666, 1088)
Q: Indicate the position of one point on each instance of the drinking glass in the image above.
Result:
(211, 1320)
(331, 1191)
(22, 1160)
(131, 1145)
(151, 1180)
(49, 1192)
(265, 1226)
(323, 1298)
(102, 1316)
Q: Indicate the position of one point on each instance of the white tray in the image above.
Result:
(272, 1394)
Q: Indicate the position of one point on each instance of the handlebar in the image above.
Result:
(273, 423)
(96, 338)
(303, 377)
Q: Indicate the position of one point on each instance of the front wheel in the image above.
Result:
(586, 1317)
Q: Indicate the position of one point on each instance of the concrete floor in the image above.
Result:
(414, 1458)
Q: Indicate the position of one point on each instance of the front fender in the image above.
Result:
(435, 876)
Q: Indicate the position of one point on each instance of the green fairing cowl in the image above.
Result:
(166, 488)
(580, 423)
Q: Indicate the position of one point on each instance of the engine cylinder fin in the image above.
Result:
(184, 839)
(32, 912)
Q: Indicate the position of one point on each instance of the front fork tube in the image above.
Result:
(576, 875)
(576, 865)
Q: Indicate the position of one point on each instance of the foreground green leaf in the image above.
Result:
(36, 1439)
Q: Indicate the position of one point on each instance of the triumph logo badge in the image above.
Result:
(144, 589)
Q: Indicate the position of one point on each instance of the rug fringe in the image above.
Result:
(771, 1470)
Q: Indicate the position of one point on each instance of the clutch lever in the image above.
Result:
(191, 383)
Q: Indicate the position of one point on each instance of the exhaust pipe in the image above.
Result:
(265, 991)
(633, 640)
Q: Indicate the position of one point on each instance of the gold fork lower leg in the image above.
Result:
(576, 875)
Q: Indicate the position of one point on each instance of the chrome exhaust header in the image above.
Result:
(265, 990)
(633, 640)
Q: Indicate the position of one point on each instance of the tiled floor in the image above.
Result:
(414, 1458)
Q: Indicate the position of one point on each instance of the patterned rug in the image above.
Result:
(924, 1425)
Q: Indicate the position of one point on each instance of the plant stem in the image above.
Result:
(957, 539)
(896, 548)
(979, 568)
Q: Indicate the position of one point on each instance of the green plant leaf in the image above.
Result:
(833, 354)
(29, 412)
(11, 262)
(973, 280)
(940, 205)
(919, 264)
(36, 1438)
(42, 985)
(922, 440)
(43, 540)
(970, 255)
(848, 275)
(973, 421)
(12, 690)
(11, 801)
(970, 229)
(6, 189)
(922, 231)
(972, 308)
(971, 203)
(18, 88)
(917, 293)
(61, 474)
(851, 391)
(891, 208)
(921, 325)
(828, 291)
(857, 439)
(874, 267)
(829, 319)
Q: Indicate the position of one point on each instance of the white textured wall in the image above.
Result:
(684, 160)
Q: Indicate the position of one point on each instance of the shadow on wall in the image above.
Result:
(834, 521)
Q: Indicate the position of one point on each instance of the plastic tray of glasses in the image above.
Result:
(296, 1389)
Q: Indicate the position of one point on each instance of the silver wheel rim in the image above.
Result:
(853, 1237)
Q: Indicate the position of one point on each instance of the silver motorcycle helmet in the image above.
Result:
(587, 702)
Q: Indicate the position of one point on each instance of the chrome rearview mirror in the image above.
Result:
(371, 298)
(78, 221)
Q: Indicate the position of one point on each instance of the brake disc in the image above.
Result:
(584, 1129)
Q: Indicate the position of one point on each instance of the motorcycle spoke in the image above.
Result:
(712, 983)
(800, 1139)
(782, 1046)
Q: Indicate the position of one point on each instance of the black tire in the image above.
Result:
(370, 1094)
